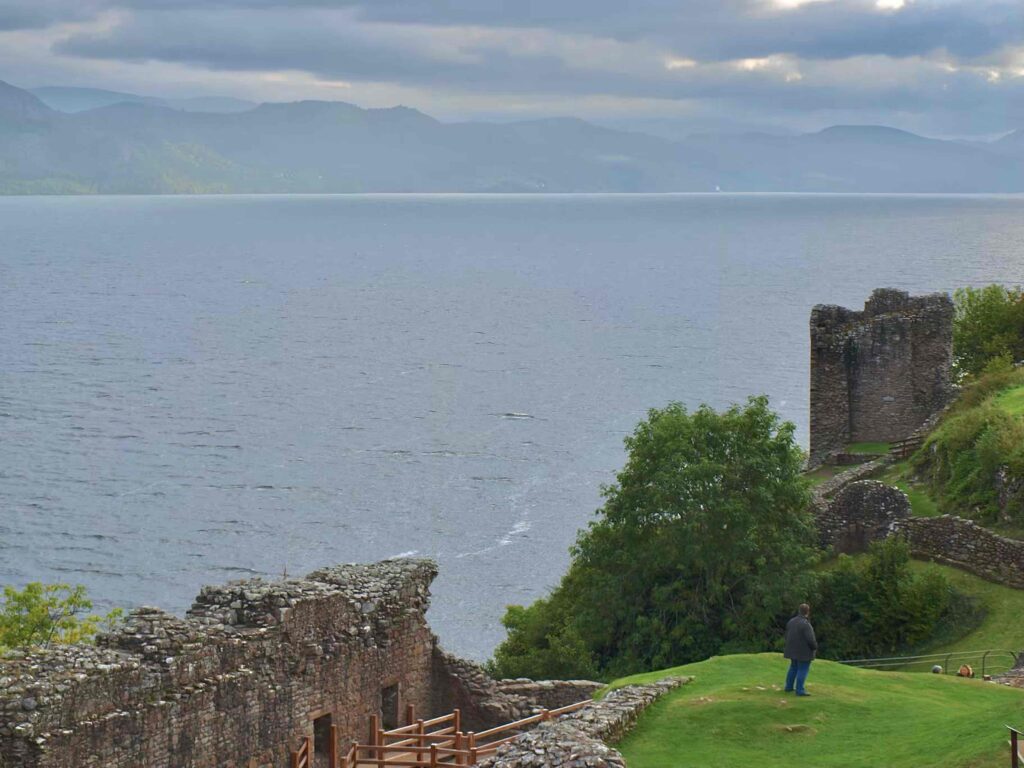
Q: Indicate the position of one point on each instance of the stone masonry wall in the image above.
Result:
(581, 739)
(955, 541)
(867, 510)
(550, 694)
(878, 374)
(464, 685)
(235, 684)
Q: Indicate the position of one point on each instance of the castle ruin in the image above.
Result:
(253, 669)
(878, 374)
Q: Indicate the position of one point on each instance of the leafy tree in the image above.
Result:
(879, 606)
(702, 543)
(988, 329)
(44, 614)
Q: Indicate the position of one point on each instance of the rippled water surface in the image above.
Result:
(199, 389)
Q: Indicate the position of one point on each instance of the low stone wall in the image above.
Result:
(550, 694)
(582, 738)
(829, 488)
(967, 545)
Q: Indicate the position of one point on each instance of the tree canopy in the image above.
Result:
(703, 541)
(988, 328)
(44, 614)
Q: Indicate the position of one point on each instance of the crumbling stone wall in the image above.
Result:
(862, 512)
(464, 685)
(235, 683)
(550, 694)
(868, 510)
(965, 544)
(878, 374)
(583, 738)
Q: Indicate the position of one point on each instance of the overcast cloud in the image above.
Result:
(941, 67)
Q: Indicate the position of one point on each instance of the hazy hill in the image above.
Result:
(73, 100)
(134, 144)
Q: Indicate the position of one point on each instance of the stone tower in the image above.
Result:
(880, 373)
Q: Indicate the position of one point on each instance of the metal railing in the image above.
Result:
(945, 660)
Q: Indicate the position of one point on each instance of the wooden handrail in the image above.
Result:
(441, 719)
(509, 726)
(412, 746)
(445, 733)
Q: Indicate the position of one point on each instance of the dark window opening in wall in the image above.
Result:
(322, 735)
(389, 707)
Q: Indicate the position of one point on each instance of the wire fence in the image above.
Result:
(988, 662)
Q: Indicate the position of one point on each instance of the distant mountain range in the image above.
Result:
(80, 140)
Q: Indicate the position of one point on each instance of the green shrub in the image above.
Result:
(961, 458)
(879, 606)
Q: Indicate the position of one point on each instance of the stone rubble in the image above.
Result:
(581, 739)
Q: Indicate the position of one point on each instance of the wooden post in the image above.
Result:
(433, 756)
(295, 760)
(374, 727)
(420, 730)
(471, 736)
(309, 751)
(382, 756)
(458, 748)
(332, 748)
(1014, 750)
(457, 720)
(545, 715)
(410, 714)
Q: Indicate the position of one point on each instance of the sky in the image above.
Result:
(938, 67)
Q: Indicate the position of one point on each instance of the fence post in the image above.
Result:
(374, 727)
(382, 755)
(332, 748)
(410, 714)
(295, 760)
(1014, 750)
(458, 748)
(471, 737)
(545, 715)
(457, 720)
(420, 730)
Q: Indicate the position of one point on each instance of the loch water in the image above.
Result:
(198, 389)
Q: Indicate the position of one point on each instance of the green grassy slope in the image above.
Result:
(1003, 625)
(1011, 401)
(734, 713)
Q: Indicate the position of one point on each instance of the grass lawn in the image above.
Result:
(921, 503)
(1011, 401)
(1003, 625)
(734, 713)
(867, 448)
(821, 474)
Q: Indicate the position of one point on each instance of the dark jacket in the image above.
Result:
(800, 641)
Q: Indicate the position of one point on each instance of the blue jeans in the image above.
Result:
(797, 674)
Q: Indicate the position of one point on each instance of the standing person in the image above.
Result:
(800, 648)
